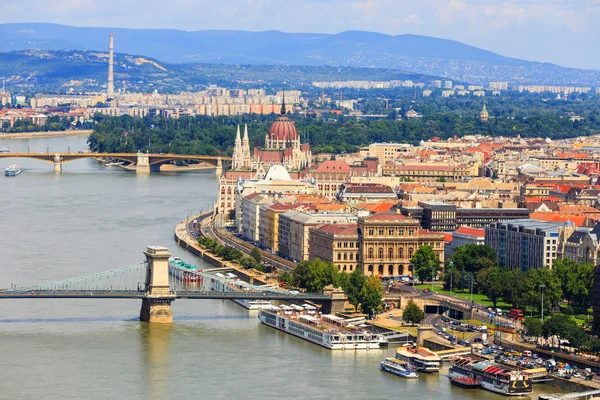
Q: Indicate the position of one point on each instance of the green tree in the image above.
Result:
(557, 325)
(371, 296)
(412, 313)
(491, 283)
(533, 326)
(473, 258)
(356, 281)
(255, 253)
(426, 263)
(540, 279)
(314, 275)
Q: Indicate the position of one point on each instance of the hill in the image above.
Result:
(56, 70)
(419, 54)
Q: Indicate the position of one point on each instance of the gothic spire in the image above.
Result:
(237, 136)
(283, 111)
(246, 133)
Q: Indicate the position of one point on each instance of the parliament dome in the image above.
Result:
(283, 128)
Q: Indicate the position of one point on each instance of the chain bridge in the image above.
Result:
(144, 162)
(158, 281)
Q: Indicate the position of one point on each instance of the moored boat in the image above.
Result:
(472, 371)
(4, 150)
(12, 170)
(184, 271)
(397, 367)
(329, 331)
(419, 358)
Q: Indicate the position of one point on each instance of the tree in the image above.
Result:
(491, 283)
(356, 281)
(255, 253)
(314, 275)
(558, 325)
(533, 326)
(532, 291)
(473, 258)
(514, 285)
(426, 263)
(371, 296)
(576, 335)
(412, 313)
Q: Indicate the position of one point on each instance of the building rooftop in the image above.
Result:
(465, 230)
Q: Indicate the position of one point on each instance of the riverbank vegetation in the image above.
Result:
(339, 134)
(228, 253)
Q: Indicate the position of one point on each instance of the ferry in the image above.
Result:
(329, 331)
(419, 358)
(232, 283)
(472, 371)
(12, 170)
(184, 271)
(397, 367)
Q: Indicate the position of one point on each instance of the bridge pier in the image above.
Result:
(337, 302)
(57, 163)
(143, 164)
(156, 306)
(219, 170)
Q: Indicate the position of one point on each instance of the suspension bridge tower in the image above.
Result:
(156, 305)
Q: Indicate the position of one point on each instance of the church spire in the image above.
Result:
(237, 136)
(245, 133)
(283, 111)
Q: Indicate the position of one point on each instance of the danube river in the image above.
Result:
(91, 219)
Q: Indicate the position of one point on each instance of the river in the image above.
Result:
(91, 218)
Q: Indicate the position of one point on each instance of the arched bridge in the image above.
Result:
(144, 162)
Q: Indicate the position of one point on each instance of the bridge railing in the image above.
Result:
(123, 278)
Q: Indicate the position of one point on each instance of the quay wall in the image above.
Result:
(42, 134)
(183, 239)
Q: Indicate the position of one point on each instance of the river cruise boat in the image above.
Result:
(329, 331)
(184, 271)
(4, 150)
(232, 283)
(419, 358)
(471, 371)
(12, 170)
(397, 367)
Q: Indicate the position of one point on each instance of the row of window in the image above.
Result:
(380, 253)
(391, 232)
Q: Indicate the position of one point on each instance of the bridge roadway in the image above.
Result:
(180, 294)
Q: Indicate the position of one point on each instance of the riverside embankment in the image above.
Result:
(187, 241)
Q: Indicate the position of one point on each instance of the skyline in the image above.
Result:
(560, 32)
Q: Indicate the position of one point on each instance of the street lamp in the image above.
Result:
(451, 266)
(542, 288)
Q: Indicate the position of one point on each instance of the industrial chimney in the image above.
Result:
(111, 84)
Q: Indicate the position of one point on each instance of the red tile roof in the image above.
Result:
(465, 230)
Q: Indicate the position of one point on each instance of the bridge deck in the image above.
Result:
(134, 294)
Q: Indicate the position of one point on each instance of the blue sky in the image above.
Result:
(566, 32)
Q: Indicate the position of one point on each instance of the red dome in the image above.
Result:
(283, 129)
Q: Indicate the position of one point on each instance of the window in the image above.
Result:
(351, 256)
(371, 232)
(401, 231)
(345, 245)
(371, 269)
(390, 232)
(339, 256)
(410, 252)
(411, 232)
(380, 252)
(390, 270)
(370, 252)
(381, 232)
(390, 253)
(345, 256)
(400, 253)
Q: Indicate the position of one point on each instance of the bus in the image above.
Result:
(516, 314)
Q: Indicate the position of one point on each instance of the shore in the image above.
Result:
(30, 135)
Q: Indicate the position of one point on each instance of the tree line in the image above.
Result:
(204, 135)
(228, 253)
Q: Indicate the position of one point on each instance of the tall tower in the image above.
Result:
(246, 158)
(111, 84)
(237, 160)
(484, 115)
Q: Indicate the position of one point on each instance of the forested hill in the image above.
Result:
(215, 135)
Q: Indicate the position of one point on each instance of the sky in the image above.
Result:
(565, 32)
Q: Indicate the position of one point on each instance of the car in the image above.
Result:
(436, 325)
(441, 333)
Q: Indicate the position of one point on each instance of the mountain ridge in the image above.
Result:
(353, 48)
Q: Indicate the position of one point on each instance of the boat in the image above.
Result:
(329, 331)
(184, 271)
(12, 170)
(4, 150)
(419, 358)
(232, 283)
(397, 367)
(473, 371)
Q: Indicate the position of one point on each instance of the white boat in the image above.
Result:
(232, 283)
(329, 331)
(4, 150)
(419, 358)
(12, 170)
(397, 367)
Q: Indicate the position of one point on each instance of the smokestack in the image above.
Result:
(111, 84)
